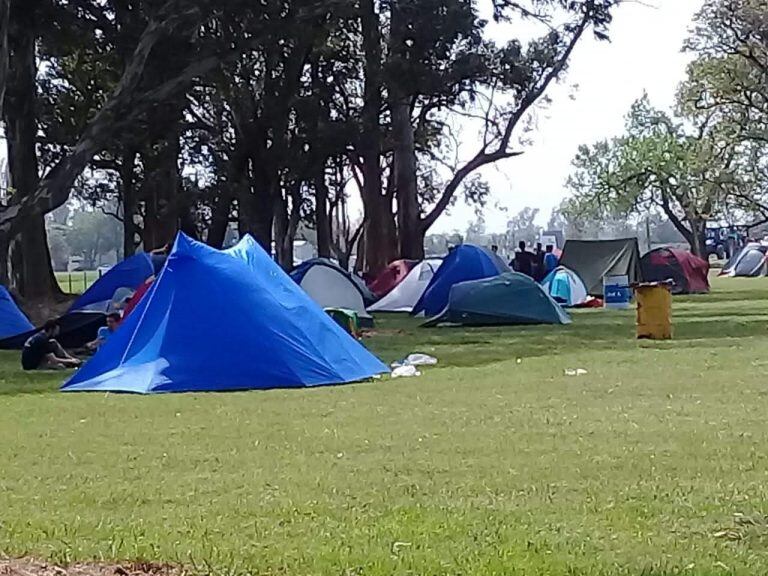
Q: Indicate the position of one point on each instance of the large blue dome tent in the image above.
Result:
(224, 320)
(12, 320)
(128, 274)
(463, 263)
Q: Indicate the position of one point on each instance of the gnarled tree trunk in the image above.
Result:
(31, 268)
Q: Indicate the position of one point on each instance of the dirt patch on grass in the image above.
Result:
(29, 567)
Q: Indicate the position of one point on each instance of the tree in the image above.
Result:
(523, 227)
(659, 164)
(93, 235)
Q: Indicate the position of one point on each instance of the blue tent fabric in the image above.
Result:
(507, 299)
(130, 273)
(12, 320)
(224, 320)
(463, 263)
(565, 286)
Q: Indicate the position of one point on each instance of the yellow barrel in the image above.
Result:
(654, 311)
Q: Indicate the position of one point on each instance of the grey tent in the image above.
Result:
(594, 259)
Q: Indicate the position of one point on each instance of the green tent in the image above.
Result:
(592, 260)
(510, 298)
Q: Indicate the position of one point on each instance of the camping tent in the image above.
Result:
(463, 263)
(688, 272)
(391, 276)
(592, 260)
(511, 298)
(332, 287)
(565, 287)
(76, 330)
(224, 320)
(128, 274)
(405, 295)
(12, 320)
(751, 261)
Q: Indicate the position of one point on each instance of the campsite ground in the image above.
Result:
(496, 462)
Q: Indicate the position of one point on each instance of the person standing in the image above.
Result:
(523, 262)
(550, 259)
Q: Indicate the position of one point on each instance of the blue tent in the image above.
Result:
(224, 320)
(565, 286)
(12, 320)
(464, 262)
(128, 274)
(510, 298)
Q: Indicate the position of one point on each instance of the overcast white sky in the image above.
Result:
(644, 54)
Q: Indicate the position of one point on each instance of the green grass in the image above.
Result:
(493, 463)
(76, 282)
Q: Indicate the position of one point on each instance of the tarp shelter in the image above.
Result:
(333, 287)
(224, 320)
(390, 277)
(511, 298)
(463, 263)
(689, 273)
(76, 330)
(565, 287)
(592, 260)
(12, 320)
(405, 295)
(130, 274)
(751, 261)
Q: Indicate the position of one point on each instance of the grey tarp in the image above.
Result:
(594, 259)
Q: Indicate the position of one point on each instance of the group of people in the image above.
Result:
(42, 351)
(536, 264)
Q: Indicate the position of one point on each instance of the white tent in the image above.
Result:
(565, 286)
(330, 288)
(405, 295)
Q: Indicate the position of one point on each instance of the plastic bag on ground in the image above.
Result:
(405, 372)
(416, 360)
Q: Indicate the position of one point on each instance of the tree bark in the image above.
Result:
(161, 185)
(322, 216)
(380, 235)
(31, 269)
(409, 229)
(128, 195)
(5, 10)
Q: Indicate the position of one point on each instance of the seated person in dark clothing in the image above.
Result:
(523, 262)
(43, 352)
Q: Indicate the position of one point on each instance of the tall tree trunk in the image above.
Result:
(217, 231)
(128, 195)
(5, 9)
(257, 203)
(31, 268)
(380, 235)
(322, 216)
(161, 184)
(410, 235)
(698, 238)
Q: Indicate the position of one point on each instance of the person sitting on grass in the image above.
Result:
(43, 352)
(113, 321)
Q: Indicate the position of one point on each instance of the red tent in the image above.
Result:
(689, 273)
(390, 277)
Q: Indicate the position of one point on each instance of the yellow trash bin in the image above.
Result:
(654, 311)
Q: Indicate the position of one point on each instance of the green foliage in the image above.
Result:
(92, 234)
(652, 463)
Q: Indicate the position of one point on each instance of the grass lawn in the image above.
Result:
(76, 282)
(654, 463)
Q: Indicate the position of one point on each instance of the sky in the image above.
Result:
(644, 53)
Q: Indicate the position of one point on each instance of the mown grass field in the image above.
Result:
(76, 282)
(496, 462)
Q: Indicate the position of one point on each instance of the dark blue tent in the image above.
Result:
(224, 320)
(464, 262)
(128, 274)
(12, 320)
(510, 298)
